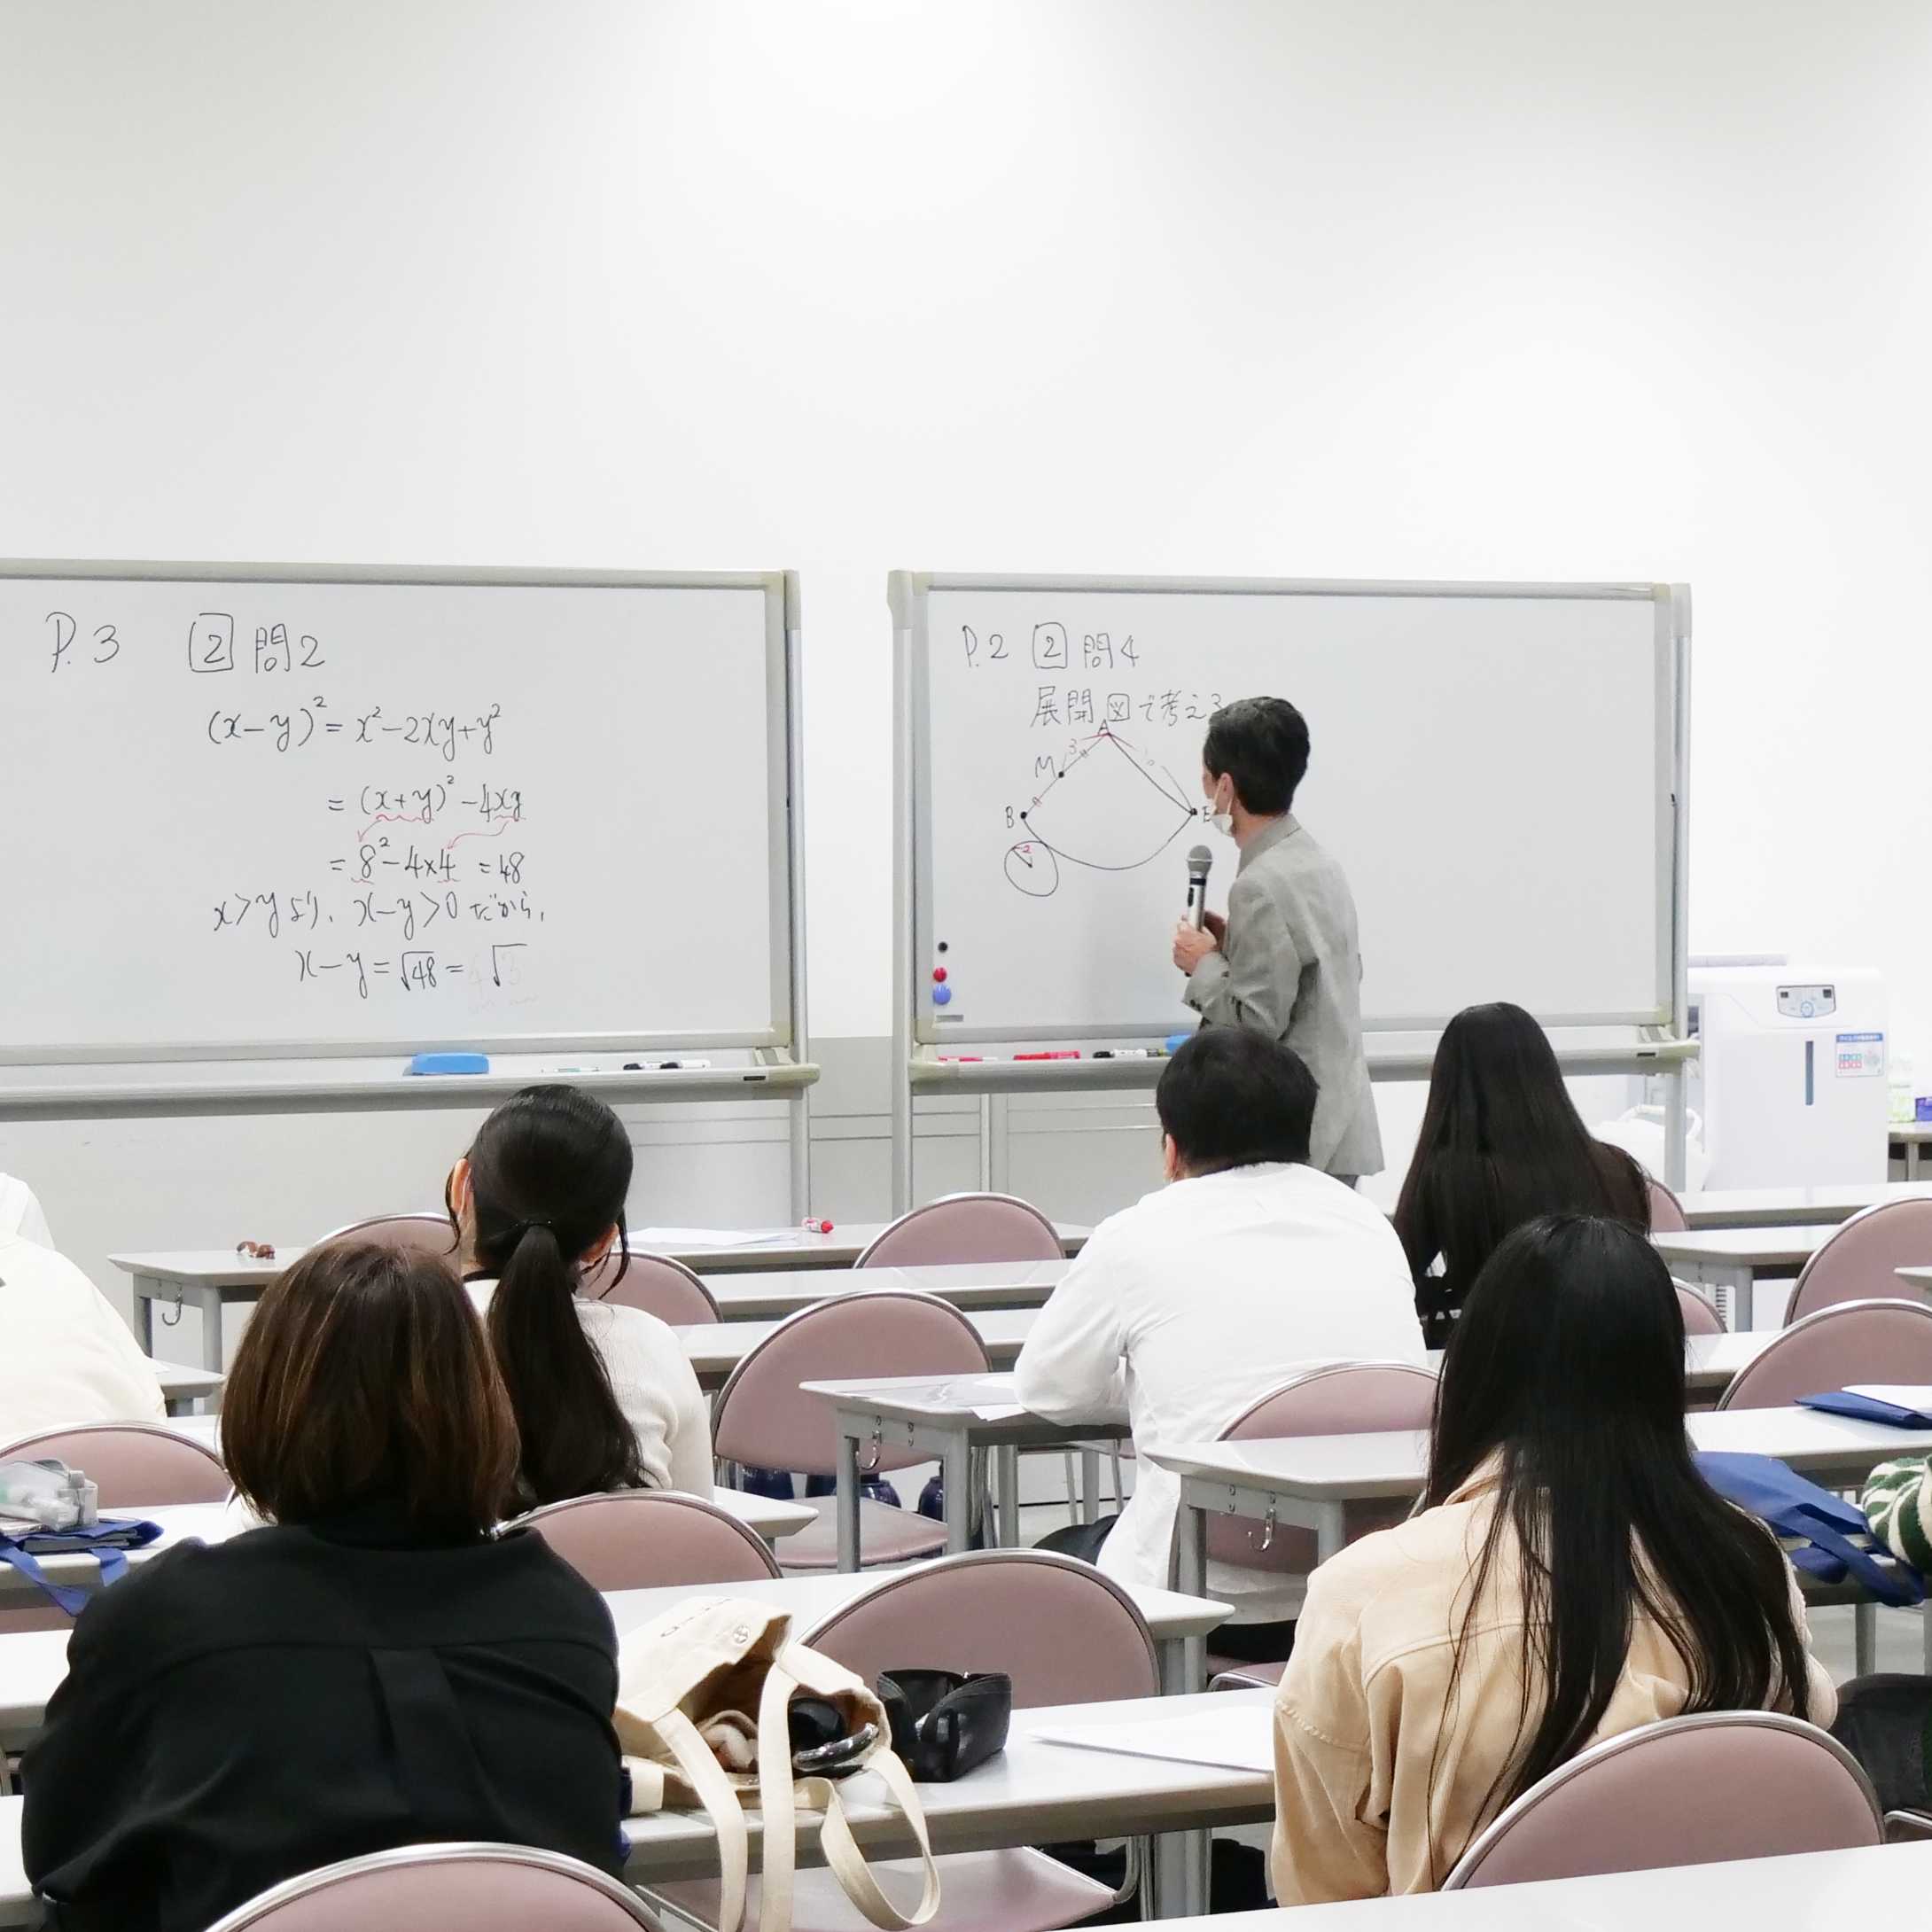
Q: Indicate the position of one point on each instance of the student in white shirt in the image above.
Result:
(20, 1212)
(1248, 1268)
(66, 1357)
(605, 1396)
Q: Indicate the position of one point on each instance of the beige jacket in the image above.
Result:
(1362, 1714)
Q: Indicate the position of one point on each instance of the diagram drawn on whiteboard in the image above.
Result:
(1110, 808)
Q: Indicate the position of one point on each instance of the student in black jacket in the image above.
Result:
(375, 1669)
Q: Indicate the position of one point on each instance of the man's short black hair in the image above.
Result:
(1230, 1098)
(1262, 744)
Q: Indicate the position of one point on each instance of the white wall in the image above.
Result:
(1341, 287)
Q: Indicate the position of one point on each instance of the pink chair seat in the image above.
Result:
(644, 1539)
(885, 1536)
(1858, 1262)
(983, 1891)
(420, 1234)
(1224, 1674)
(965, 1227)
(1698, 1791)
(1838, 1347)
(455, 1888)
(1701, 1316)
(658, 1284)
(1667, 1215)
(135, 1465)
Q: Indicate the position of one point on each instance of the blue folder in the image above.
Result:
(1865, 1408)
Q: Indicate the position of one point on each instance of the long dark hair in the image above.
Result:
(1567, 1373)
(549, 1174)
(1500, 1142)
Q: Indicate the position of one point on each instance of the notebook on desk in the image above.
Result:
(1239, 1738)
(1902, 1405)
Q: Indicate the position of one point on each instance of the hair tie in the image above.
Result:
(520, 1228)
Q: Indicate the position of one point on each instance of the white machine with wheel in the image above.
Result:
(1791, 1074)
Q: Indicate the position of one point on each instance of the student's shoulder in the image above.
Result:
(636, 1331)
(571, 1606)
(26, 1264)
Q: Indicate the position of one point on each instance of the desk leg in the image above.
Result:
(1190, 1579)
(1090, 1486)
(956, 1473)
(848, 1502)
(1179, 1877)
(1864, 1636)
(147, 1292)
(1330, 1532)
(209, 1301)
(1009, 1497)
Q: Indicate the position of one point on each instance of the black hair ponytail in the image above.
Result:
(550, 1172)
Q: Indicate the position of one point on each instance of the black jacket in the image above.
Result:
(237, 1714)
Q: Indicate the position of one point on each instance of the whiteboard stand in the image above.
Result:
(586, 661)
(1647, 1036)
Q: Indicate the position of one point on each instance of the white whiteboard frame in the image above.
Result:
(786, 1034)
(1664, 1025)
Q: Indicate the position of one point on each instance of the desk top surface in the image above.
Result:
(1778, 1207)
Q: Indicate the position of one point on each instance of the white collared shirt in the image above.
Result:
(66, 1357)
(1183, 1311)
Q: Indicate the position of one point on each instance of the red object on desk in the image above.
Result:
(1065, 1052)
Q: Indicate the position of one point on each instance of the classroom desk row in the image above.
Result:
(33, 1663)
(1309, 1482)
(208, 1278)
(950, 1418)
(1035, 1792)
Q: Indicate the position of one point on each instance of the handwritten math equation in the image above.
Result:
(418, 878)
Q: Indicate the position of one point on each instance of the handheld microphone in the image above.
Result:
(1200, 863)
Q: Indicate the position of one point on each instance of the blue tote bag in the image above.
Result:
(1824, 1536)
(107, 1541)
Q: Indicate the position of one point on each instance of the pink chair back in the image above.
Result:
(1701, 1316)
(658, 1284)
(464, 1888)
(1857, 1264)
(1700, 1790)
(1343, 1398)
(1849, 1342)
(422, 1233)
(642, 1539)
(965, 1227)
(763, 1419)
(136, 1465)
(1061, 1631)
(1667, 1215)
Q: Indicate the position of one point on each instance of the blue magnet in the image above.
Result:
(942, 996)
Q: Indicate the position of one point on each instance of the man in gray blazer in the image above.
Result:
(1286, 960)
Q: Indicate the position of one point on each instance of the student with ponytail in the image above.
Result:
(604, 1395)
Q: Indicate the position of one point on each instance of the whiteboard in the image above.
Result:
(281, 812)
(1494, 766)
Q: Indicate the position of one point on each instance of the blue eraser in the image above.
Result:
(450, 1063)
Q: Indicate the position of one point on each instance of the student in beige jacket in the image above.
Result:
(1435, 1676)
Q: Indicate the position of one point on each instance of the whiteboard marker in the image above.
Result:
(681, 1066)
(1124, 1053)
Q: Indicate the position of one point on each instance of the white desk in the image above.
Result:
(33, 1663)
(718, 1348)
(1033, 1793)
(182, 1387)
(1794, 1207)
(1729, 1262)
(207, 1279)
(1921, 1278)
(1820, 1891)
(1307, 1482)
(943, 1417)
(769, 1295)
(765, 1516)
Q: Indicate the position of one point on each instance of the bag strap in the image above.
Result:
(780, 1796)
(848, 1862)
(1899, 1587)
(722, 1805)
(69, 1597)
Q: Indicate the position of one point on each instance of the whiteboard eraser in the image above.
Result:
(450, 1063)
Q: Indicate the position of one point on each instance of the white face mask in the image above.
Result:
(1222, 821)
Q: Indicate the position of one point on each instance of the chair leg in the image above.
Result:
(1865, 1637)
(1925, 1628)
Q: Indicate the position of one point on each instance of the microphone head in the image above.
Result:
(1200, 862)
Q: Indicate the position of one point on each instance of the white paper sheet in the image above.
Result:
(658, 1240)
(1240, 1738)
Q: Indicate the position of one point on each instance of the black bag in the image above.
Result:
(945, 1723)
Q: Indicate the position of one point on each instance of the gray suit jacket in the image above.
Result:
(1292, 968)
